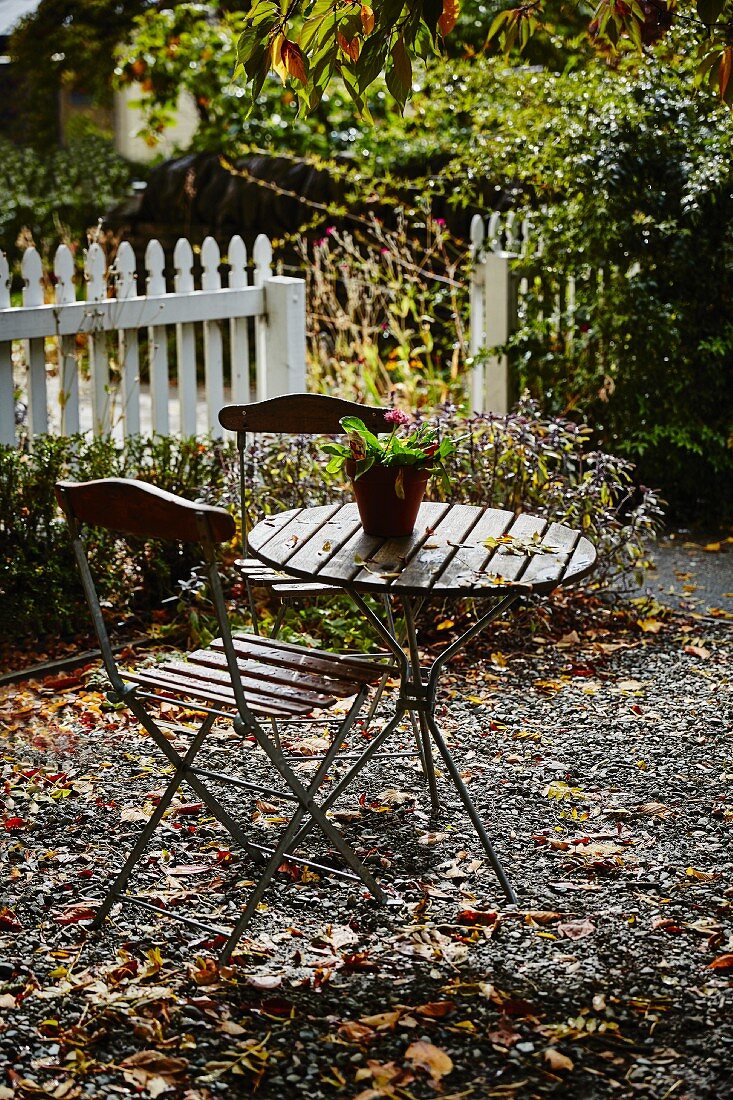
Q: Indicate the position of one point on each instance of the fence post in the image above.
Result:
(285, 335)
(493, 316)
(7, 389)
(32, 270)
(157, 341)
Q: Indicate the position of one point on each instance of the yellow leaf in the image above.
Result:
(649, 626)
(367, 19)
(712, 547)
(445, 625)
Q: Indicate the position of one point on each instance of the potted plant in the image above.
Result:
(389, 473)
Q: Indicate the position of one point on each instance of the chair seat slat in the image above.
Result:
(183, 685)
(287, 687)
(216, 664)
(295, 656)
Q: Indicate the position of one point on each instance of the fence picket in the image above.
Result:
(185, 339)
(127, 341)
(262, 255)
(213, 346)
(63, 269)
(239, 326)
(95, 273)
(157, 340)
(7, 386)
(32, 270)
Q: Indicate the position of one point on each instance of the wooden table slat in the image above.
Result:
(303, 524)
(392, 554)
(550, 566)
(426, 566)
(319, 550)
(468, 561)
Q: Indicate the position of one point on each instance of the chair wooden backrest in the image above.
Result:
(294, 414)
(137, 508)
(300, 414)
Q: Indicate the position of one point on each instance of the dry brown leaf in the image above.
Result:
(723, 962)
(435, 1009)
(354, 1032)
(431, 1058)
(153, 1071)
(556, 1060)
(382, 1020)
(577, 929)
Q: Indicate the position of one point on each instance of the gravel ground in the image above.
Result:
(599, 751)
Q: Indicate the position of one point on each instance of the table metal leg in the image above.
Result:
(471, 810)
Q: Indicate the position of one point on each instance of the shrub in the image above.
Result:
(40, 593)
(522, 461)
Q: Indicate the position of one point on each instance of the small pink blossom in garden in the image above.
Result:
(440, 222)
(330, 230)
(396, 417)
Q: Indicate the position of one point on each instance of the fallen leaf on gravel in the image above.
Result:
(702, 876)
(264, 981)
(723, 962)
(477, 916)
(354, 1032)
(697, 651)
(73, 913)
(431, 1058)
(8, 920)
(392, 797)
(184, 869)
(153, 1071)
(435, 1009)
(7, 1000)
(382, 1020)
(649, 626)
(576, 929)
(556, 1060)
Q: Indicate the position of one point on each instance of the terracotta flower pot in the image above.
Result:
(382, 511)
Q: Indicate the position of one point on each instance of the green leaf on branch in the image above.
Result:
(710, 10)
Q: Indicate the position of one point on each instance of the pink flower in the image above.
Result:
(396, 417)
(440, 222)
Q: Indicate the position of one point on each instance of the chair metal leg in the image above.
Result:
(306, 806)
(178, 778)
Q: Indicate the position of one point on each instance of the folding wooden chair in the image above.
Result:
(241, 678)
(292, 414)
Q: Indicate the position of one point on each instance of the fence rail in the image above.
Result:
(80, 362)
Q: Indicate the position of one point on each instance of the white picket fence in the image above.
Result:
(79, 362)
(503, 290)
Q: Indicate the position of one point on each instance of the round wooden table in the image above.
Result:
(455, 550)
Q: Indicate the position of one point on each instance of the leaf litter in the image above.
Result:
(612, 977)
